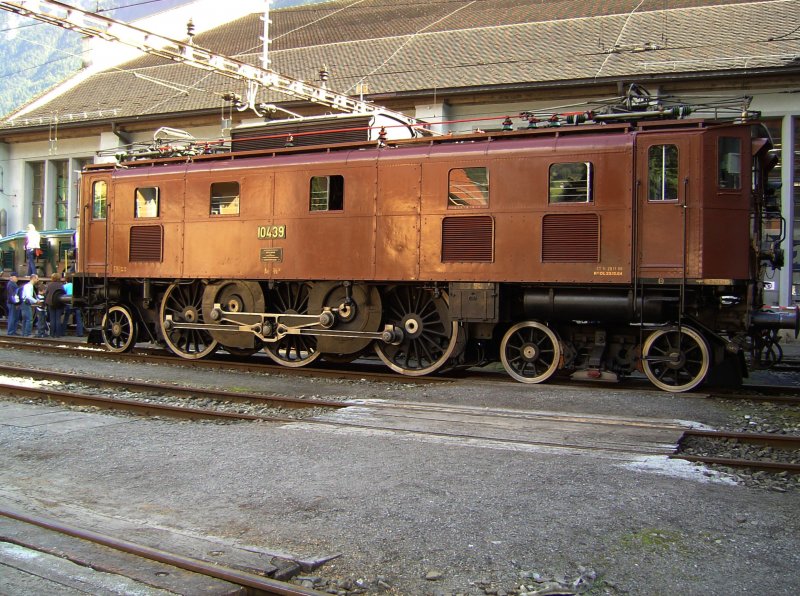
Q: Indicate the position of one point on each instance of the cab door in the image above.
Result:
(93, 252)
(662, 183)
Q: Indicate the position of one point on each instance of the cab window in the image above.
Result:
(326, 193)
(730, 163)
(99, 199)
(662, 167)
(571, 182)
(225, 198)
(146, 202)
(468, 187)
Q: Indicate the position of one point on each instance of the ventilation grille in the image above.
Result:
(146, 243)
(303, 133)
(468, 239)
(570, 237)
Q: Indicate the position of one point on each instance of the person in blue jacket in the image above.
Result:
(12, 303)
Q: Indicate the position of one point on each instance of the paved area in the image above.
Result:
(405, 513)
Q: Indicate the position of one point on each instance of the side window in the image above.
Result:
(730, 163)
(146, 204)
(468, 187)
(662, 168)
(571, 182)
(99, 199)
(327, 193)
(224, 198)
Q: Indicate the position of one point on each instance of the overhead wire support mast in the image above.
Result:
(94, 25)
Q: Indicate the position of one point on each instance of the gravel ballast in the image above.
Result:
(404, 514)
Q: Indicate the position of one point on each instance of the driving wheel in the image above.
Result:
(291, 298)
(430, 339)
(185, 303)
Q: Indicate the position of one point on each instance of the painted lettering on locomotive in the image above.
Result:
(597, 250)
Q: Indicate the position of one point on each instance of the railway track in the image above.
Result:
(762, 451)
(254, 364)
(146, 565)
(606, 436)
(787, 394)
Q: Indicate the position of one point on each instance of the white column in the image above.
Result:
(435, 114)
(787, 206)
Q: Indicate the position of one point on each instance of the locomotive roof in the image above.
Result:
(607, 134)
(453, 46)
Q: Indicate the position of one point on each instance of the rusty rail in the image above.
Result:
(263, 585)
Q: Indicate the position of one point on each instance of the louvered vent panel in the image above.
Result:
(468, 239)
(570, 237)
(303, 133)
(146, 243)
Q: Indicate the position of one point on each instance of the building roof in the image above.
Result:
(413, 47)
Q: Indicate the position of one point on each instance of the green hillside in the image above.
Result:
(36, 56)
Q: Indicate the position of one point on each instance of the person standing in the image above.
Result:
(55, 308)
(29, 300)
(12, 303)
(70, 309)
(33, 241)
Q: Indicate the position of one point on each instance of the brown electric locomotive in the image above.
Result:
(598, 250)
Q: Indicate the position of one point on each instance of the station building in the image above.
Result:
(460, 65)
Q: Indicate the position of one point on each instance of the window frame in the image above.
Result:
(37, 202)
(722, 157)
(484, 188)
(234, 199)
(662, 198)
(61, 193)
(589, 184)
(99, 203)
(333, 193)
(136, 194)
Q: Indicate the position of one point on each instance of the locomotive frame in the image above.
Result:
(597, 249)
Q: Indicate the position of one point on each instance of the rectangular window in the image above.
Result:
(62, 194)
(146, 203)
(730, 163)
(468, 187)
(37, 194)
(571, 182)
(99, 196)
(225, 198)
(327, 193)
(662, 167)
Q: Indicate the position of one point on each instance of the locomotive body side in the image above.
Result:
(395, 221)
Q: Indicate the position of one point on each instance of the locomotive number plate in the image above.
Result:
(270, 232)
(272, 255)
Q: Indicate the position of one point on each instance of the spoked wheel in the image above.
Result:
(530, 352)
(675, 359)
(185, 303)
(291, 350)
(119, 330)
(429, 337)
